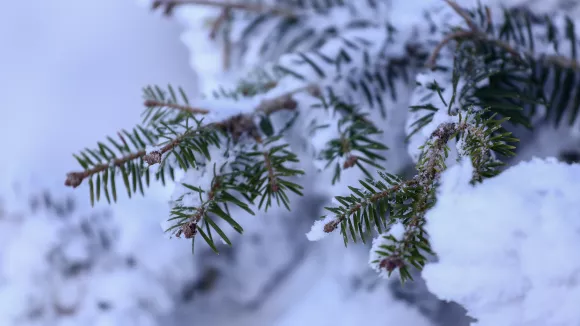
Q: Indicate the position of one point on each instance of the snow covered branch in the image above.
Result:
(323, 86)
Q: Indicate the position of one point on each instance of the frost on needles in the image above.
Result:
(325, 78)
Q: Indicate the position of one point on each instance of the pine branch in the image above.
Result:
(380, 205)
(472, 25)
(74, 179)
(237, 126)
(363, 73)
(250, 7)
(183, 108)
(219, 21)
(451, 37)
(362, 204)
(189, 227)
(191, 220)
(476, 33)
(265, 167)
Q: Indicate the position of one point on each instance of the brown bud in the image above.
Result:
(390, 263)
(274, 187)
(152, 158)
(330, 226)
(189, 230)
(73, 179)
(350, 161)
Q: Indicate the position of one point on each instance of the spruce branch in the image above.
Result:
(476, 33)
(236, 126)
(260, 168)
(184, 108)
(451, 37)
(357, 206)
(250, 7)
(265, 167)
(191, 220)
(218, 22)
(457, 8)
(381, 203)
(189, 226)
(74, 179)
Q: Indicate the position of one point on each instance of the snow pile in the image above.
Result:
(508, 247)
(59, 267)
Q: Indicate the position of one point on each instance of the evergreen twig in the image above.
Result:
(251, 7)
(236, 125)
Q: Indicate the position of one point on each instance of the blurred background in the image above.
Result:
(71, 73)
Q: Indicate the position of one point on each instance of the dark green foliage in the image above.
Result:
(519, 84)
(133, 172)
(268, 173)
(379, 204)
(355, 143)
(275, 35)
(214, 203)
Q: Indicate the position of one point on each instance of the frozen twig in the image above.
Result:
(184, 108)
(476, 33)
(251, 7)
(236, 125)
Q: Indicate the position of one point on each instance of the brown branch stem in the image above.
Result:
(447, 39)
(271, 176)
(189, 229)
(457, 8)
(251, 7)
(74, 179)
(475, 32)
(227, 49)
(218, 23)
(184, 108)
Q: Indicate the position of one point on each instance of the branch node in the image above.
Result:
(152, 158)
(74, 179)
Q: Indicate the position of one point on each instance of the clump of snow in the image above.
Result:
(509, 246)
(64, 268)
(327, 302)
(397, 230)
(317, 230)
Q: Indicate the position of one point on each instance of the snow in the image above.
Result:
(317, 230)
(506, 262)
(325, 304)
(72, 269)
(85, 77)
